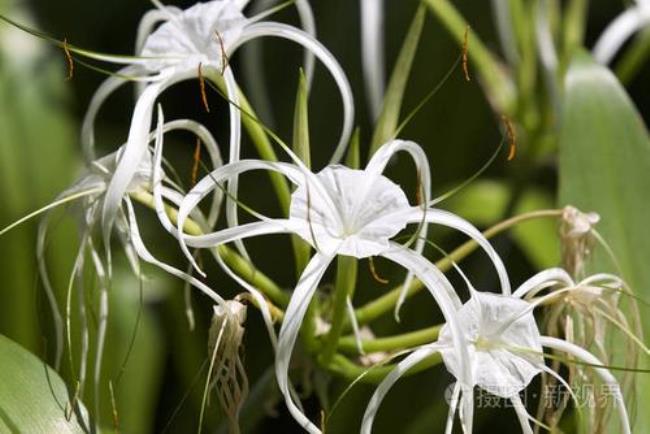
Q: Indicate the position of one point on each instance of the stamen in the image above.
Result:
(465, 50)
(204, 95)
(196, 161)
(512, 137)
(68, 58)
(373, 272)
(419, 192)
(69, 408)
(224, 56)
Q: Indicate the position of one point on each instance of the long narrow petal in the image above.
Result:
(619, 30)
(300, 300)
(453, 405)
(146, 256)
(372, 53)
(384, 387)
(603, 372)
(522, 414)
(445, 218)
(284, 31)
(377, 165)
(108, 86)
(232, 92)
(542, 280)
(134, 151)
(444, 295)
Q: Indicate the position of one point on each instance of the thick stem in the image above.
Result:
(347, 344)
(346, 279)
(343, 367)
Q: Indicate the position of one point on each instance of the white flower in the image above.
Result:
(505, 350)
(188, 43)
(630, 21)
(348, 212)
(577, 237)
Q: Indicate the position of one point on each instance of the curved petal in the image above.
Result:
(372, 53)
(300, 300)
(377, 165)
(522, 414)
(453, 405)
(288, 32)
(108, 86)
(448, 301)
(619, 30)
(543, 280)
(384, 387)
(213, 181)
(445, 218)
(146, 256)
(133, 152)
(603, 372)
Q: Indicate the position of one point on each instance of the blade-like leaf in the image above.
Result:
(389, 117)
(33, 397)
(605, 167)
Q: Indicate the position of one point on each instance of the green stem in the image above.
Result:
(350, 371)
(574, 26)
(347, 344)
(239, 265)
(385, 303)
(346, 279)
(500, 87)
(259, 138)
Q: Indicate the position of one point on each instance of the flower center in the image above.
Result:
(345, 210)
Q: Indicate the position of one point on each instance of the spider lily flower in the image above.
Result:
(630, 21)
(505, 348)
(195, 42)
(342, 211)
(88, 194)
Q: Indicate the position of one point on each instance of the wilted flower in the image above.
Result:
(505, 350)
(225, 347)
(342, 211)
(188, 44)
(577, 238)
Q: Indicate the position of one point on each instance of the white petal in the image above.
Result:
(298, 305)
(387, 383)
(448, 301)
(522, 414)
(453, 405)
(543, 280)
(108, 86)
(619, 30)
(284, 31)
(133, 153)
(372, 53)
(604, 374)
(445, 218)
(377, 165)
(146, 256)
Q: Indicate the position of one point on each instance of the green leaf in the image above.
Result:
(33, 397)
(389, 117)
(605, 167)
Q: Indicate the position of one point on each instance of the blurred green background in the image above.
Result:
(40, 116)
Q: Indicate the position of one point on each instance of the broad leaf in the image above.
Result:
(605, 167)
(33, 397)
